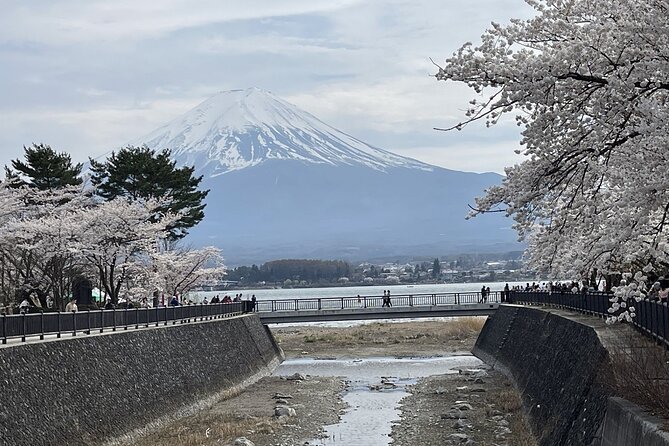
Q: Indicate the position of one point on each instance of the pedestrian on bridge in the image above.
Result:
(71, 307)
(386, 299)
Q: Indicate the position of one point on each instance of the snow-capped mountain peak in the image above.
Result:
(242, 128)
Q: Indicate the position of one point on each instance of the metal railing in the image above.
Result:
(353, 302)
(652, 317)
(89, 321)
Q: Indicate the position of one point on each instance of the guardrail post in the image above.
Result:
(157, 316)
(41, 326)
(410, 300)
(113, 318)
(136, 318)
(59, 324)
(342, 303)
(88, 318)
(272, 306)
(23, 327)
(365, 301)
(457, 299)
(4, 328)
(74, 323)
(102, 321)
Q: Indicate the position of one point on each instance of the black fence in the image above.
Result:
(652, 317)
(58, 324)
(399, 300)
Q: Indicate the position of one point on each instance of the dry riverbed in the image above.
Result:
(468, 408)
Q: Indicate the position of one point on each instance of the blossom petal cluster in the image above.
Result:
(588, 83)
(51, 236)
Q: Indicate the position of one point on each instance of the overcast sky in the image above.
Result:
(86, 76)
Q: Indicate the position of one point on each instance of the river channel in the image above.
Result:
(375, 387)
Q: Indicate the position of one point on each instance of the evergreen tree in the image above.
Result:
(436, 268)
(44, 169)
(139, 173)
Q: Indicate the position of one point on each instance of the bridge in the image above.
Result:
(57, 324)
(372, 307)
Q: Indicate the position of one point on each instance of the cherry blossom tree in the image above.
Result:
(47, 237)
(587, 83)
(115, 235)
(39, 238)
(10, 271)
(179, 271)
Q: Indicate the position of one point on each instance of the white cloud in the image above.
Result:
(477, 157)
(88, 75)
(83, 132)
(67, 21)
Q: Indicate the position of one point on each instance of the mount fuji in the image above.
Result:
(285, 184)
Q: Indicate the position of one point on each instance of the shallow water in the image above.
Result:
(369, 418)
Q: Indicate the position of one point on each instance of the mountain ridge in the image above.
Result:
(237, 129)
(285, 184)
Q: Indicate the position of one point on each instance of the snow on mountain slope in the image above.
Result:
(242, 128)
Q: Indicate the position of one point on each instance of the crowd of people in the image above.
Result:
(658, 292)
(31, 304)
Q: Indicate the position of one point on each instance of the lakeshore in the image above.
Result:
(425, 415)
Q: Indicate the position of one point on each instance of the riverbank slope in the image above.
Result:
(492, 413)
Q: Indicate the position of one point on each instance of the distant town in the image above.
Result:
(298, 273)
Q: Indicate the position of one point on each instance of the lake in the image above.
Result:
(372, 290)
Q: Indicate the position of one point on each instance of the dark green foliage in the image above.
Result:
(436, 268)
(142, 173)
(44, 169)
(295, 269)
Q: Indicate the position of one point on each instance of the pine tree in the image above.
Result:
(44, 169)
(140, 173)
(436, 268)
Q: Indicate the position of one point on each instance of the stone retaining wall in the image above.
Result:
(626, 424)
(560, 365)
(84, 390)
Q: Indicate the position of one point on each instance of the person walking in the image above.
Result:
(482, 298)
(71, 306)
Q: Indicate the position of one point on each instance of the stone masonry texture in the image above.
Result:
(560, 367)
(84, 389)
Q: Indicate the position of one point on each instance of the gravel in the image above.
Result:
(468, 408)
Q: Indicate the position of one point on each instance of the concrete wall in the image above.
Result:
(626, 424)
(84, 390)
(560, 365)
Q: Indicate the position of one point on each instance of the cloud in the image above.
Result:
(68, 21)
(95, 131)
(477, 157)
(88, 75)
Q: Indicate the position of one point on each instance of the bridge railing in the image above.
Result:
(58, 324)
(652, 317)
(355, 302)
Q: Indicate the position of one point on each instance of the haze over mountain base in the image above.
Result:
(286, 209)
